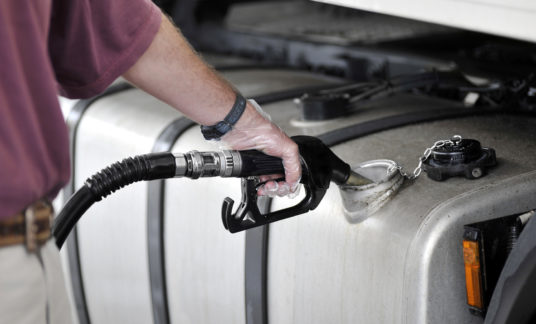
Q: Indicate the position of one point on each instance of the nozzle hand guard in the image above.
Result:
(319, 166)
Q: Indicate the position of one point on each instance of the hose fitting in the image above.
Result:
(196, 164)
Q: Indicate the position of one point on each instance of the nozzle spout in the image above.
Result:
(356, 179)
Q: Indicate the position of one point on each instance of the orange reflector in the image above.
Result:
(473, 279)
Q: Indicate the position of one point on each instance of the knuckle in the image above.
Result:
(294, 147)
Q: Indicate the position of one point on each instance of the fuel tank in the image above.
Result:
(158, 252)
(403, 264)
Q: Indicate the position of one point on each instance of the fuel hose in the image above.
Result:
(140, 168)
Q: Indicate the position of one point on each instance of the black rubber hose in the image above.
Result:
(120, 174)
(77, 205)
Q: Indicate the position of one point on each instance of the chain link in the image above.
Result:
(418, 170)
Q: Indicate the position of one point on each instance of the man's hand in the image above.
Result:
(255, 131)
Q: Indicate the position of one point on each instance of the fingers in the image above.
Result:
(266, 178)
(292, 165)
(277, 188)
(288, 151)
(273, 189)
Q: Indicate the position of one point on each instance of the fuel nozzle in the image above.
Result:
(320, 166)
(249, 163)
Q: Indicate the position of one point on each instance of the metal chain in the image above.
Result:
(418, 170)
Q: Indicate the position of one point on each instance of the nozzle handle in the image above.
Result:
(256, 163)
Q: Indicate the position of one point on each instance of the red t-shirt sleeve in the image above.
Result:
(92, 42)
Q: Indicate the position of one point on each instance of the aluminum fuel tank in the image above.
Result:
(403, 264)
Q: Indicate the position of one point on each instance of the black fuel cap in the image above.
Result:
(459, 157)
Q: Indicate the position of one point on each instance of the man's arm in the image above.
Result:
(171, 71)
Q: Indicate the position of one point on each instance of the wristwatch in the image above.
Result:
(215, 132)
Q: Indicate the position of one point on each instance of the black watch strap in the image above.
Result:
(215, 132)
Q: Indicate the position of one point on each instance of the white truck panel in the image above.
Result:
(513, 18)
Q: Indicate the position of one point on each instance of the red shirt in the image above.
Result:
(72, 47)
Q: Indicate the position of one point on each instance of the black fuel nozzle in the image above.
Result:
(320, 166)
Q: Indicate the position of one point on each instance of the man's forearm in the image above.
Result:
(171, 71)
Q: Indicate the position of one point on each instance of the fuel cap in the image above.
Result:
(459, 157)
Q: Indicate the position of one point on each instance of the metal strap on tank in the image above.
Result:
(255, 254)
(256, 269)
(155, 224)
(256, 241)
(291, 93)
(73, 121)
(370, 127)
